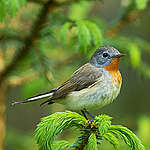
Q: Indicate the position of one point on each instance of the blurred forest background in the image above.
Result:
(42, 42)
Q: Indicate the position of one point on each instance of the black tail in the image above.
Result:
(35, 98)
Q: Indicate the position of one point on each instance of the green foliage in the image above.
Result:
(103, 122)
(50, 126)
(135, 55)
(88, 33)
(144, 127)
(64, 31)
(128, 136)
(84, 37)
(79, 11)
(92, 142)
(96, 34)
(2, 10)
(92, 133)
(141, 4)
(112, 139)
(144, 130)
(10, 7)
(61, 145)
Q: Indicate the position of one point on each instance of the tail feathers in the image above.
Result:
(47, 102)
(35, 98)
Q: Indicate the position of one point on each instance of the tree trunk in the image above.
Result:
(2, 105)
(2, 115)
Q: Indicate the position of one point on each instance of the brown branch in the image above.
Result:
(5, 38)
(86, 135)
(29, 41)
(2, 104)
(129, 17)
(18, 80)
(2, 114)
(84, 143)
(123, 23)
(14, 81)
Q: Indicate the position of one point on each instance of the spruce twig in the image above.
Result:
(92, 133)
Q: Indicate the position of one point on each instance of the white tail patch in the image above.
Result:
(39, 97)
(34, 98)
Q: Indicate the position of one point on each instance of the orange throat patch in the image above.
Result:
(113, 69)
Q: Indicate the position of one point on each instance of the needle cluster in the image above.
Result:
(92, 133)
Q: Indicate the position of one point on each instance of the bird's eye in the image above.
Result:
(105, 54)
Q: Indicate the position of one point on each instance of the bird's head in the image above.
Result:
(106, 57)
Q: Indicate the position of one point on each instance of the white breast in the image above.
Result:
(96, 96)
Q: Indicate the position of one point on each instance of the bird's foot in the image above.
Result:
(89, 113)
(91, 124)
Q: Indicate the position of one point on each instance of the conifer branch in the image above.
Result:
(92, 133)
(14, 81)
(30, 40)
(130, 16)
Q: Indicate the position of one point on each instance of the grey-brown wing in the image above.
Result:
(84, 77)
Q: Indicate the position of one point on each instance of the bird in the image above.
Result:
(94, 85)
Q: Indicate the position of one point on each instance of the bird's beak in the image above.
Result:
(119, 55)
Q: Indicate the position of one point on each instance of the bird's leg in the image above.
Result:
(88, 113)
(84, 114)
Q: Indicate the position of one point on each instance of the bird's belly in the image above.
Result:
(93, 97)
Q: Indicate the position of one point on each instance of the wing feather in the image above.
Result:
(84, 77)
